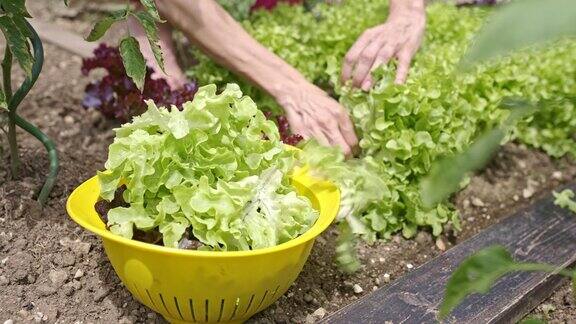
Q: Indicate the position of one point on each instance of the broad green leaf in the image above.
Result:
(447, 173)
(20, 22)
(102, 26)
(18, 43)
(476, 274)
(565, 199)
(15, 7)
(151, 9)
(149, 25)
(523, 23)
(133, 60)
(122, 220)
(172, 231)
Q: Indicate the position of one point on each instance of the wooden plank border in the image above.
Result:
(542, 232)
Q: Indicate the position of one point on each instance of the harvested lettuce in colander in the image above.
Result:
(216, 169)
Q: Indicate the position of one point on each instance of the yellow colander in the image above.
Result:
(188, 286)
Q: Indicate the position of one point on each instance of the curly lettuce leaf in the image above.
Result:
(216, 168)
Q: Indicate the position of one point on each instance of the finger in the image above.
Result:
(331, 130)
(365, 62)
(315, 131)
(383, 57)
(347, 129)
(354, 52)
(404, 60)
(337, 139)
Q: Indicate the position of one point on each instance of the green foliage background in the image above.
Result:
(437, 112)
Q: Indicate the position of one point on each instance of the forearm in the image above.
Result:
(399, 7)
(210, 27)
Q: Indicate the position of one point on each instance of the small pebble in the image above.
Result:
(477, 202)
(38, 316)
(423, 237)
(528, 192)
(320, 312)
(516, 198)
(357, 289)
(522, 164)
(308, 298)
(440, 244)
(81, 247)
(374, 288)
(381, 259)
(386, 277)
(557, 175)
(45, 290)
(79, 273)
(100, 294)
(9, 321)
(409, 266)
(377, 281)
(68, 289)
(58, 277)
(69, 120)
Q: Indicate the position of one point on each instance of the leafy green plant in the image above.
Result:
(134, 62)
(480, 271)
(216, 170)
(437, 113)
(565, 199)
(25, 47)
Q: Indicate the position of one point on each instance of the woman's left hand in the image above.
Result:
(399, 38)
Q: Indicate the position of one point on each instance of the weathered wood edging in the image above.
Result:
(542, 232)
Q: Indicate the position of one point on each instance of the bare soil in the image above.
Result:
(53, 271)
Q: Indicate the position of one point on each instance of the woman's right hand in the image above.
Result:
(313, 114)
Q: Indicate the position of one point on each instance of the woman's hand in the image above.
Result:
(399, 38)
(313, 114)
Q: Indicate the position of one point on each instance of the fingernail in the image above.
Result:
(366, 85)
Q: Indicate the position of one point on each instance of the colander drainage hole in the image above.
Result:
(178, 307)
(150, 297)
(221, 310)
(249, 304)
(235, 309)
(206, 310)
(164, 304)
(192, 309)
(262, 300)
(274, 292)
(138, 293)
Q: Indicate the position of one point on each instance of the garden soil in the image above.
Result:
(53, 271)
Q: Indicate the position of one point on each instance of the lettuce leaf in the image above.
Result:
(207, 168)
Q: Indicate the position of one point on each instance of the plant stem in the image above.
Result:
(52, 155)
(22, 123)
(7, 83)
